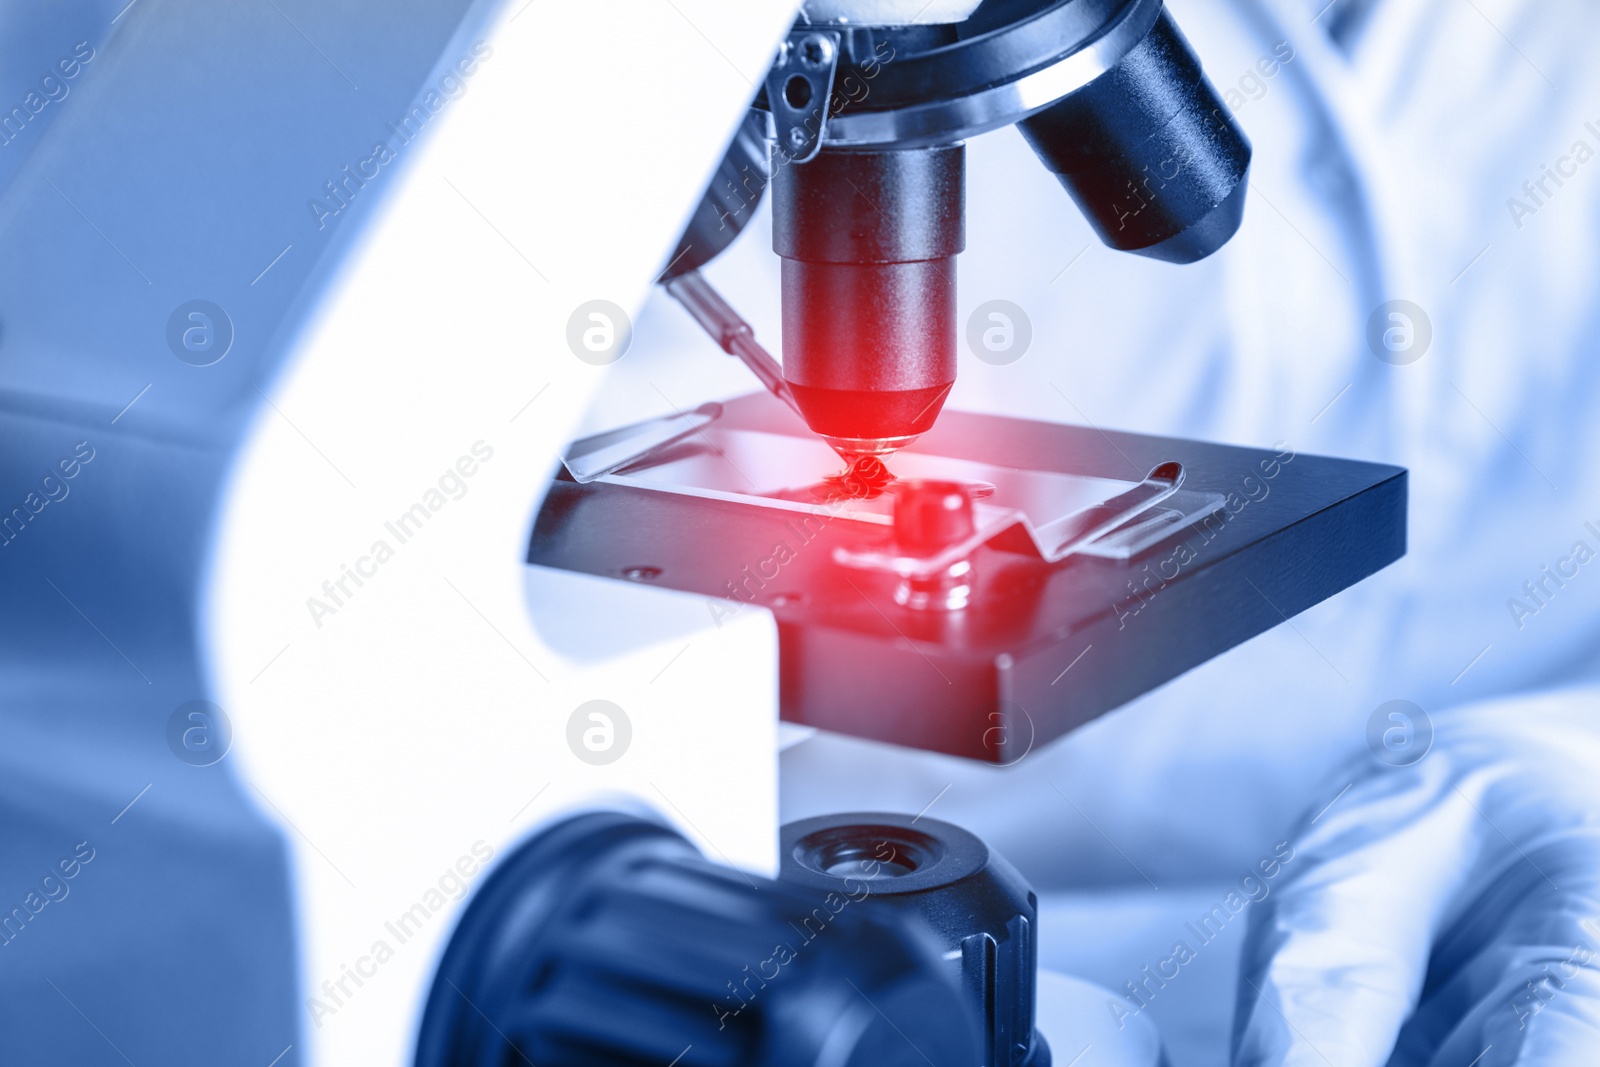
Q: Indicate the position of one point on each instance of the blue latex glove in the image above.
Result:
(1445, 912)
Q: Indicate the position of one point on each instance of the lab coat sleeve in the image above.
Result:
(1446, 906)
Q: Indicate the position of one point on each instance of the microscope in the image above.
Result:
(885, 534)
(1049, 573)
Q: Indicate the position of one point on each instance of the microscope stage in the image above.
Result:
(1255, 536)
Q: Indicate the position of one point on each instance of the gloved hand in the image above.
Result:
(1442, 913)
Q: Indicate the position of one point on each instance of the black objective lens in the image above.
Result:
(869, 240)
(1150, 154)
